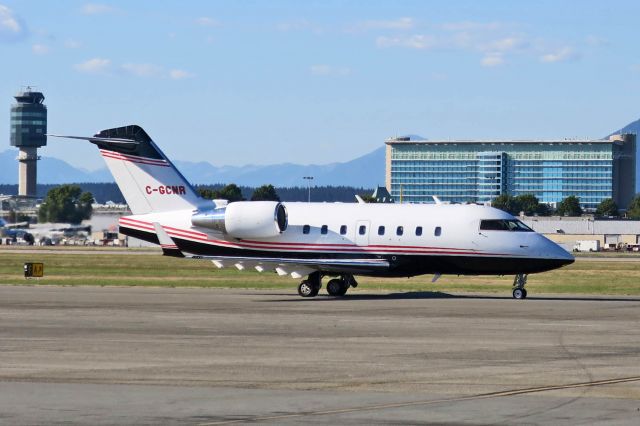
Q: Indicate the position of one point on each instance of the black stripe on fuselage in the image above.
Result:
(402, 265)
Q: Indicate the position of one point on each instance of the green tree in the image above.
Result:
(207, 193)
(66, 203)
(230, 193)
(607, 207)
(544, 210)
(570, 206)
(265, 193)
(507, 203)
(528, 203)
(633, 211)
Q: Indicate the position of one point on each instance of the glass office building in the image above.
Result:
(478, 171)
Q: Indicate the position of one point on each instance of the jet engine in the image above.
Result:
(245, 219)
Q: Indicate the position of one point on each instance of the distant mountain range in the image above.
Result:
(633, 127)
(367, 171)
(50, 170)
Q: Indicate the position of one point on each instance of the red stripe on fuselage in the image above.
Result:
(203, 238)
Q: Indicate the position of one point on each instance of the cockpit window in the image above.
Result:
(504, 225)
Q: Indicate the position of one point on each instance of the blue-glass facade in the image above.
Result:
(479, 171)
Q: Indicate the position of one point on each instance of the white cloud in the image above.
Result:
(11, 27)
(507, 44)
(142, 70)
(96, 9)
(560, 55)
(323, 69)
(492, 60)
(94, 66)
(180, 74)
(205, 21)
(416, 41)
(72, 44)
(390, 24)
(496, 42)
(472, 26)
(40, 49)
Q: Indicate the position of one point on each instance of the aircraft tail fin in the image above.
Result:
(147, 178)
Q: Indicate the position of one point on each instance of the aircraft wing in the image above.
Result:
(297, 267)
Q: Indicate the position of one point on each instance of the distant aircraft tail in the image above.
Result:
(146, 177)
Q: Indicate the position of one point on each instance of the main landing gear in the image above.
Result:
(519, 292)
(336, 287)
(311, 286)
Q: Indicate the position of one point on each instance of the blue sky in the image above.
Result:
(262, 82)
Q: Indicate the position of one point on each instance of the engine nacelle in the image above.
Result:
(245, 219)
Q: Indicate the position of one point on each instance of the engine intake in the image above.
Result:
(245, 219)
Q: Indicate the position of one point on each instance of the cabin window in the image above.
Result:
(513, 225)
(306, 229)
(324, 229)
(418, 231)
(343, 229)
(362, 230)
(400, 230)
(380, 230)
(438, 231)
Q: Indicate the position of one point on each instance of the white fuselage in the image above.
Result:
(396, 231)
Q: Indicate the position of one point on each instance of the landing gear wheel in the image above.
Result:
(519, 282)
(306, 289)
(519, 293)
(337, 287)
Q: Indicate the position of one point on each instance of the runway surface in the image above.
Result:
(87, 355)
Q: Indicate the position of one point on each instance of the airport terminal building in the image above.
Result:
(480, 170)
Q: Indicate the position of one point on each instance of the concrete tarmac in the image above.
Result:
(90, 355)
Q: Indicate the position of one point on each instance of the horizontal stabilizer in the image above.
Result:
(99, 140)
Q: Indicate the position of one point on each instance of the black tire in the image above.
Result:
(524, 291)
(306, 289)
(519, 293)
(335, 287)
(314, 292)
(344, 289)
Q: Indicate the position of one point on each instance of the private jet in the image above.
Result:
(310, 241)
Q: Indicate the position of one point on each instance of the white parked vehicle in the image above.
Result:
(587, 245)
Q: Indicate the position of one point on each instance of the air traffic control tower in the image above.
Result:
(28, 133)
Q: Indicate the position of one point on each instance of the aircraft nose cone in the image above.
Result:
(562, 256)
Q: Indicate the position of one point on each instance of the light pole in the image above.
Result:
(308, 179)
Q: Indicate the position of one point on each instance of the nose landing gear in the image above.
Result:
(519, 292)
